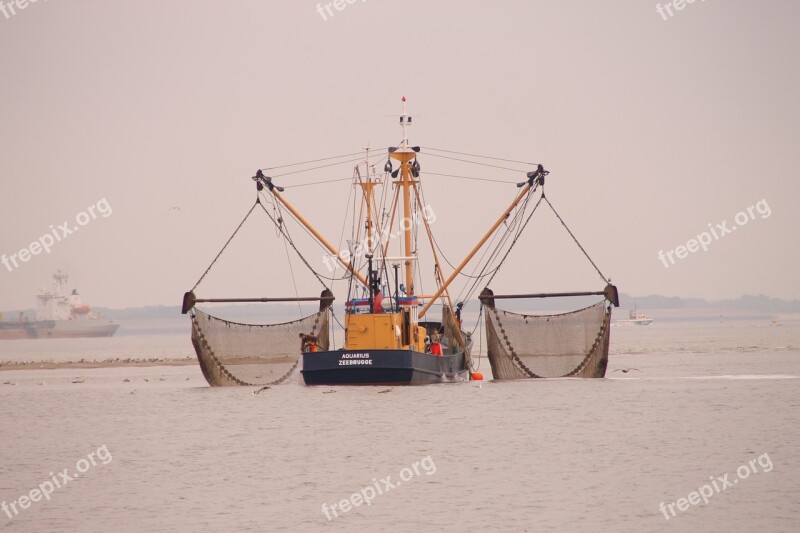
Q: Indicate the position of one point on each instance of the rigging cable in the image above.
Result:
(315, 160)
(316, 241)
(468, 178)
(351, 277)
(315, 183)
(475, 162)
(291, 270)
(480, 338)
(285, 233)
(315, 168)
(439, 248)
(515, 222)
(574, 239)
(258, 202)
(516, 238)
(335, 260)
(480, 156)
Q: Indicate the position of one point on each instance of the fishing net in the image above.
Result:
(242, 354)
(454, 338)
(548, 346)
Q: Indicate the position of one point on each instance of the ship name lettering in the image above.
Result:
(355, 356)
(349, 362)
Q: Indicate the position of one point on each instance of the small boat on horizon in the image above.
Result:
(636, 318)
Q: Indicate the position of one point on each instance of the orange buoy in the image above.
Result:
(477, 376)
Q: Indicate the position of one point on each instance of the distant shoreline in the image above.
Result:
(51, 365)
(744, 305)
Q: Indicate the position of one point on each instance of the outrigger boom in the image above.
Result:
(266, 182)
(534, 178)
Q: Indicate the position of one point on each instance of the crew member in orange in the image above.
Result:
(377, 300)
(308, 343)
(436, 344)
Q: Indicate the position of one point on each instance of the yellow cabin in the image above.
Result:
(383, 331)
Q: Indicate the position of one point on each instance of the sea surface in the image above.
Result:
(156, 449)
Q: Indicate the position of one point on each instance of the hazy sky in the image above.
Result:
(652, 130)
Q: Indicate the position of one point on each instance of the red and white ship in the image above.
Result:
(58, 315)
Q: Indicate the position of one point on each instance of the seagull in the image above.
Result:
(259, 390)
(625, 370)
(78, 380)
(126, 380)
(174, 208)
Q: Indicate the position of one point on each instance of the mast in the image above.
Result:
(367, 186)
(404, 154)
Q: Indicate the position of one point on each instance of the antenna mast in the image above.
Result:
(404, 154)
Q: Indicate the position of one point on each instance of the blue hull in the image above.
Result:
(382, 367)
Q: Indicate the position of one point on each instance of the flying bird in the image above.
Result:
(625, 370)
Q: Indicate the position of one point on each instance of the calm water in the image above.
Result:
(549, 455)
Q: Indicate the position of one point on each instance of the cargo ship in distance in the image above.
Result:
(58, 315)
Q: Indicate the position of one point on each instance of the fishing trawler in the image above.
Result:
(58, 315)
(388, 337)
(635, 318)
